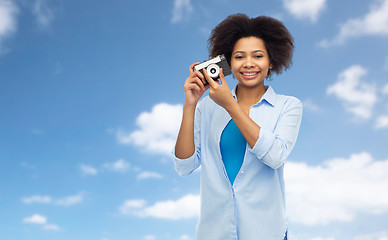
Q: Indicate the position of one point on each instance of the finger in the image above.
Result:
(199, 82)
(209, 79)
(200, 76)
(194, 87)
(191, 68)
(222, 77)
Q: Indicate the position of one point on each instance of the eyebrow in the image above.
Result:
(251, 52)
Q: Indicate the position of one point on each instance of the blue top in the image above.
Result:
(232, 145)
(254, 206)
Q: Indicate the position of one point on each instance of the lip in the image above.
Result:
(249, 77)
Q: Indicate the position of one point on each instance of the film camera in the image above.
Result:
(213, 66)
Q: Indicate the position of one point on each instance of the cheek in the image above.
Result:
(234, 67)
(234, 71)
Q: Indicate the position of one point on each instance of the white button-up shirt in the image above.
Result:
(254, 207)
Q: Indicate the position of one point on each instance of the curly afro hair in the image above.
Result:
(278, 41)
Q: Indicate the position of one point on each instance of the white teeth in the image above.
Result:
(249, 74)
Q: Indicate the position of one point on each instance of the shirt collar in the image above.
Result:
(269, 96)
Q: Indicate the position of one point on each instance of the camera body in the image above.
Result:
(212, 67)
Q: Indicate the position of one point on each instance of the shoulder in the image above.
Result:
(285, 99)
(287, 102)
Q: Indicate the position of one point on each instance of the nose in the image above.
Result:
(249, 62)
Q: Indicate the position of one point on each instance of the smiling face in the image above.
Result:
(250, 62)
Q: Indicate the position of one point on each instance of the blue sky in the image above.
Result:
(91, 94)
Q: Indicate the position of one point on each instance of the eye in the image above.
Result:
(258, 56)
(238, 57)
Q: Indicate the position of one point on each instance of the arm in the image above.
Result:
(272, 148)
(248, 128)
(194, 89)
(185, 147)
(184, 152)
(220, 93)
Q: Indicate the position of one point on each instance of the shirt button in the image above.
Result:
(242, 171)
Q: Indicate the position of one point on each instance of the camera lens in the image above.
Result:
(213, 70)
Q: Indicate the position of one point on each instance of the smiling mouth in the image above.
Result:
(249, 73)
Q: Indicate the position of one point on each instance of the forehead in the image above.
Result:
(249, 44)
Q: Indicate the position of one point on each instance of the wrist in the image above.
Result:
(233, 108)
(188, 106)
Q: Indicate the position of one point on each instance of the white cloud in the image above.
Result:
(358, 97)
(66, 201)
(157, 131)
(70, 200)
(183, 208)
(41, 220)
(185, 237)
(44, 15)
(88, 170)
(386, 63)
(182, 9)
(8, 12)
(306, 236)
(36, 219)
(37, 199)
(27, 165)
(309, 9)
(382, 122)
(148, 175)
(310, 105)
(385, 89)
(321, 238)
(337, 190)
(149, 237)
(119, 166)
(128, 207)
(206, 31)
(374, 236)
(51, 227)
(375, 22)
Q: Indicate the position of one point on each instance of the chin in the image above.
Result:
(251, 83)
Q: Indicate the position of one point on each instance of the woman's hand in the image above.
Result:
(194, 86)
(220, 93)
(194, 89)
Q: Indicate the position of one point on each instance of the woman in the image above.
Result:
(240, 138)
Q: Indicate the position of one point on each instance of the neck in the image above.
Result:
(250, 96)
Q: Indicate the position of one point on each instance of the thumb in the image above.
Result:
(222, 77)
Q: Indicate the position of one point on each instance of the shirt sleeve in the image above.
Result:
(186, 166)
(273, 147)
